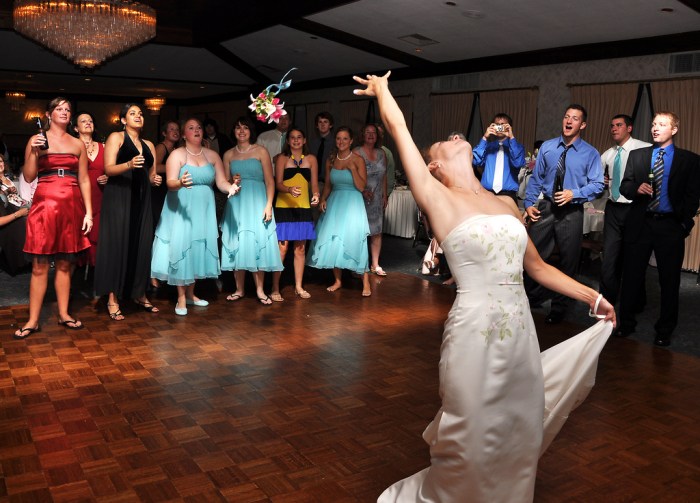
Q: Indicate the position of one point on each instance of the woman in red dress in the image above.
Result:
(85, 127)
(61, 214)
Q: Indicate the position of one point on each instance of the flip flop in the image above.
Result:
(234, 297)
(29, 331)
(71, 324)
(276, 297)
(265, 301)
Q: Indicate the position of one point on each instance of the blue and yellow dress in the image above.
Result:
(293, 214)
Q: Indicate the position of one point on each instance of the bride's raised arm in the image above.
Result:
(423, 186)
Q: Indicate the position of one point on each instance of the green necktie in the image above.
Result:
(617, 175)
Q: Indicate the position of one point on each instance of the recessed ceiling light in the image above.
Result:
(87, 79)
(667, 10)
(418, 39)
(29, 75)
(473, 14)
(418, 49)
(202, 87)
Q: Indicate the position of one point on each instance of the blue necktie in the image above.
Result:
(658, 172)
(561, 170)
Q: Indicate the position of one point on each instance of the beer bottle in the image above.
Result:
(41, 132)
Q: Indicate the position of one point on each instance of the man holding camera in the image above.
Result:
(568, 172)
(499, 157)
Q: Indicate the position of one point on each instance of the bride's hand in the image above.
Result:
(605, 311)
(373, 83)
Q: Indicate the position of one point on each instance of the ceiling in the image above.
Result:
(220, 49)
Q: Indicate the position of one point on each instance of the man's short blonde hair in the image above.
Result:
(675, 121)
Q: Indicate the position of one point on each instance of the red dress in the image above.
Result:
(96, 169)
(57, 212)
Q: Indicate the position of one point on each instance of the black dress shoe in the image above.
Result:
(554, 317)
(662, 340)
(622, 332)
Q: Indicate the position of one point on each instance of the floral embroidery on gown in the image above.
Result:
(502, 402)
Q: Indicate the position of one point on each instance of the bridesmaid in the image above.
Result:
(248, 231)
(85, 128)
(375, 193)
(126, 223)
(186, 247)
(342, 229)
(295, 170)
(60, 216)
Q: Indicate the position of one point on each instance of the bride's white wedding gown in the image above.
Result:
(502, 401)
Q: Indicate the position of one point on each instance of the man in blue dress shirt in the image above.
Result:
(568, 173)
(500, 156)
(663, 183)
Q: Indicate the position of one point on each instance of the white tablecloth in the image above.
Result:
(594, 215)
(401, 215)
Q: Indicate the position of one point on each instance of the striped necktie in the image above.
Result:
(658, 171)
(561, 170)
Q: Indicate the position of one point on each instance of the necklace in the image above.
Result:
(243, 151)
(90, 147)
(193, 154)
(297, 163)
(344, 158)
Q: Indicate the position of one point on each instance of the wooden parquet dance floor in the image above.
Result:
(320, 400)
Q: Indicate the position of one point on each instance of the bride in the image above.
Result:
(502, 402)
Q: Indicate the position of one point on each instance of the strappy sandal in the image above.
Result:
(116, 315)
(147, 306)
(71, 324)
(377, 270)
(21, 335)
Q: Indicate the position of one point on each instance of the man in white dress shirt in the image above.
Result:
(614, 163)
(275, 139)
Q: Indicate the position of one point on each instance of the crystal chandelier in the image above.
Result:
(15, 99)
(87, 32)
(154, 104)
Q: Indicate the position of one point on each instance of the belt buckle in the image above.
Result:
(60, 172)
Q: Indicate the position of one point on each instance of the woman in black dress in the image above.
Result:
(126, 222)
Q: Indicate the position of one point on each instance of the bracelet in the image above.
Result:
(128, 164)
(594, 313)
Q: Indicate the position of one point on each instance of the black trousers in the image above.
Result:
(611, 266)
(563, 227)
(666, 238)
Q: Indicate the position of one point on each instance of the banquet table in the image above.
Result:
(401, 215)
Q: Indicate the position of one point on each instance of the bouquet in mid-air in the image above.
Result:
(267, 105)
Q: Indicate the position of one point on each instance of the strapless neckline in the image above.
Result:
(470, 219)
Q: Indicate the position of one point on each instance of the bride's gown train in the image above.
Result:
(502, 401)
